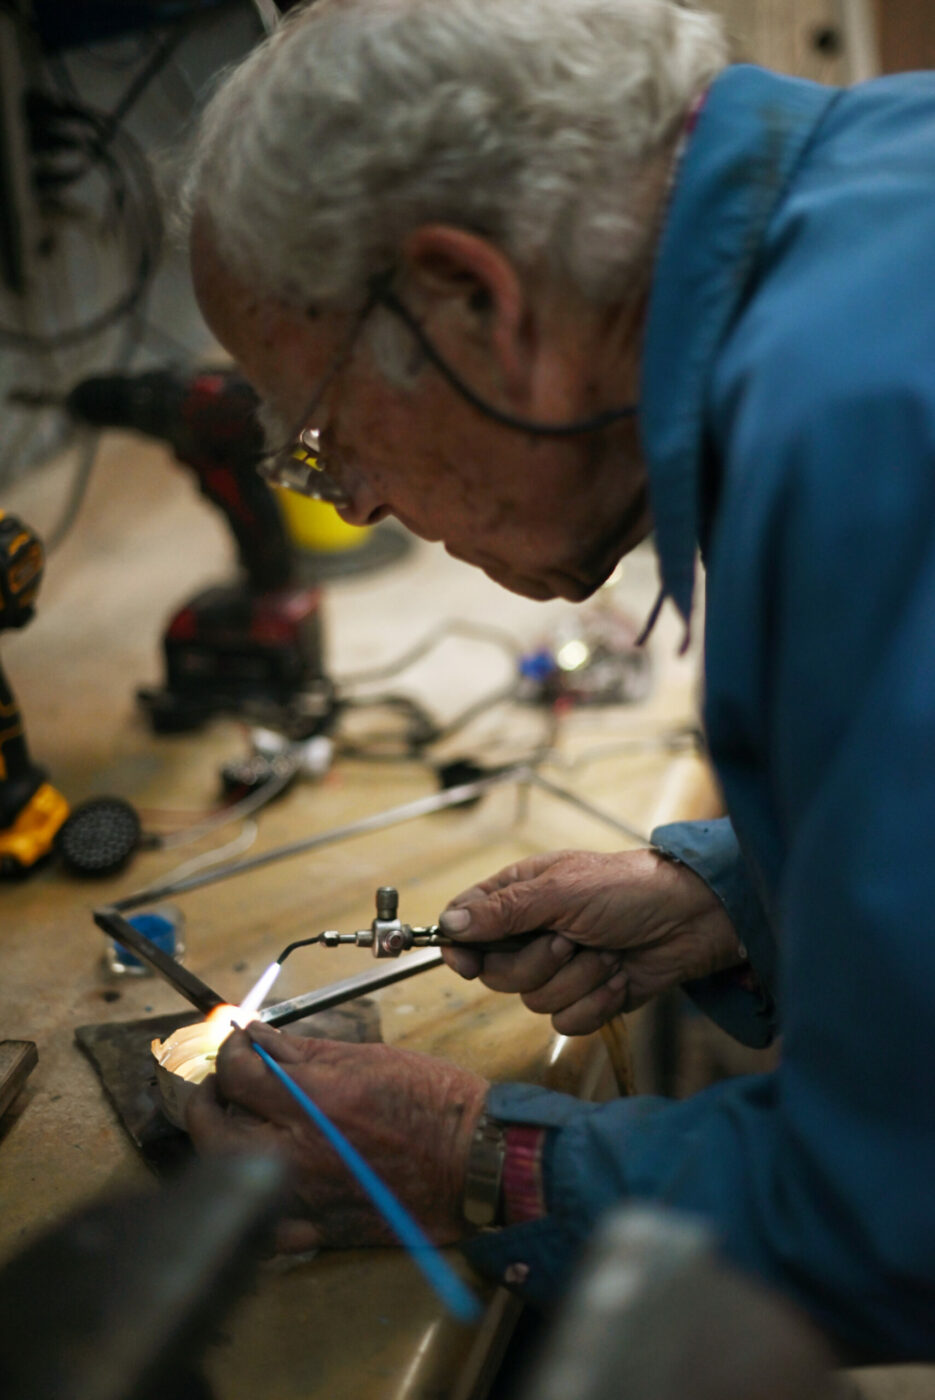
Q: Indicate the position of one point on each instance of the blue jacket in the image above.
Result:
(788, 414)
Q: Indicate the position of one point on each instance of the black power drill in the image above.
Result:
(31, 810)
(251, 645)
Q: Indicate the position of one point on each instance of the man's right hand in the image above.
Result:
(616, 930)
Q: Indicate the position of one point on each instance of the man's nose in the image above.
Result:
(363, 508)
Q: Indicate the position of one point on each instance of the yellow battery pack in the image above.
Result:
(32, 834)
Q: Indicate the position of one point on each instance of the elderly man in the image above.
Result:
(544, 275)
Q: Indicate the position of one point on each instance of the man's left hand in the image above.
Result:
(410, 1116)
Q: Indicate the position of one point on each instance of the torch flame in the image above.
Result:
(224, 1016)
(257, 994)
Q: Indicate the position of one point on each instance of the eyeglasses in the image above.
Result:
(296, 467)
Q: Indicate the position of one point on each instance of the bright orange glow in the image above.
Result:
(223, 1013)
(224, 1016)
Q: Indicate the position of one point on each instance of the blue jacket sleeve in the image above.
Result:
(711, 850)
(817, 1177)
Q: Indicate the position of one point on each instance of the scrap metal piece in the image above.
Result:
(18, 1059)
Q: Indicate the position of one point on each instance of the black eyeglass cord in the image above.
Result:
(388, 298)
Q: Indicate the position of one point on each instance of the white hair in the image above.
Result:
(530, 122)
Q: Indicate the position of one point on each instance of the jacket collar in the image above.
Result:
(749, 137)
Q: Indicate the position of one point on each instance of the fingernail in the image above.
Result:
(561, 947)
(455, 920)
(609, 959)
(616, 984)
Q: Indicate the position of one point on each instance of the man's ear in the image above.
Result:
(467, 279)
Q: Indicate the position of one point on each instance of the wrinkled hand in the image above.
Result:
(619, 929)
(411, 1117)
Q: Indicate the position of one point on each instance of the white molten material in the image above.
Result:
(188, 1055)
(185, 1058)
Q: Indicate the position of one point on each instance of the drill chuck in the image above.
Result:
(208, 418)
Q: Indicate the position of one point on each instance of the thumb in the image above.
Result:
(523, 907)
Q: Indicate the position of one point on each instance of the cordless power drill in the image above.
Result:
(31, 810)
(239, 646)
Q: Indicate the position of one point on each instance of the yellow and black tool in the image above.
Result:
(31, 810)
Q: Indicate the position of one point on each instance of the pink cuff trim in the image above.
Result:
(522, 1184)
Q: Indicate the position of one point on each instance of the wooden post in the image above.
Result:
(906, 33)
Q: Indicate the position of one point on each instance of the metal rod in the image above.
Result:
(393, 816)
(186, 983)
(379, 821)
(546, 785)
(358, 986)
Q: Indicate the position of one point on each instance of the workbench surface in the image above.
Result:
(341, 1325)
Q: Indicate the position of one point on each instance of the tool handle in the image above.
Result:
(514, 944)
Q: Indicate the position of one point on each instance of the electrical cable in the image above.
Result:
(176, 816)
(420, 731)
(424, 731)
(79, 486)
(686, 739)
(464, 795)
(88, 454)
(237, 811)
(141, 81)
(142, 45)
(476, 709)
(64, 124)
(246, 807)
(237, 847)
(454, 627)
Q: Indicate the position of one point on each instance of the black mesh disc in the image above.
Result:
(99, 837)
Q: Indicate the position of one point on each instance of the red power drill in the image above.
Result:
(240, 647)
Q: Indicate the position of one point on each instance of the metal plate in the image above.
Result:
(120, 1053)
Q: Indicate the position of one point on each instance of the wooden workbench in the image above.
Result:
(342, 1325)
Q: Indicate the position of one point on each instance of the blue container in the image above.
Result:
(162, 928)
